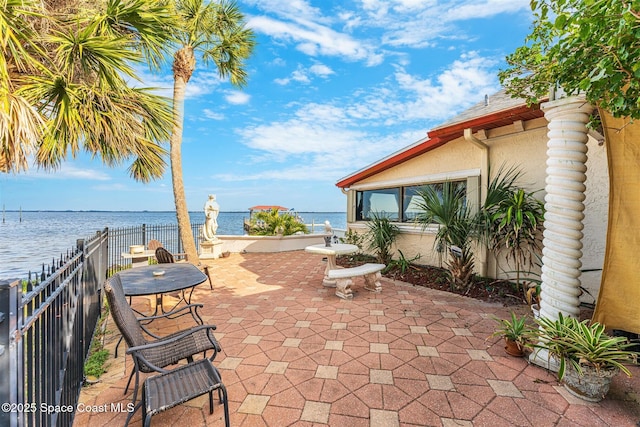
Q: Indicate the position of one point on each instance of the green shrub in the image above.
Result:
(273, 222)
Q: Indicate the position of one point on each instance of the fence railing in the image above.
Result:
(46, 328)
(47, 322)
(121, 238)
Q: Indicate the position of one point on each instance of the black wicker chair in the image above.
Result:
(153, 355)
(165, 257)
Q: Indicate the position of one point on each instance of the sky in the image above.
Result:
(334, 85)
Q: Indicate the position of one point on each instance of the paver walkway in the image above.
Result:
(295, 354)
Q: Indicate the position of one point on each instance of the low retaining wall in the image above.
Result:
(238, 244)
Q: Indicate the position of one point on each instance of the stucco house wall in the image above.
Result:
(522, 145)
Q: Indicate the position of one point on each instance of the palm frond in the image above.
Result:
(21, 129)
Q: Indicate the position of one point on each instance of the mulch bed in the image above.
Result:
(484, 289)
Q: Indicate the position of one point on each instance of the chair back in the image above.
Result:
(154, 244)
(122, 313)
(164, 256)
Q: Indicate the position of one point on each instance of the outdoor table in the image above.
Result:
(177, 277)
(331, 252)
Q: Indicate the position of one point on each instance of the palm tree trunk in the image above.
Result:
(182, 213)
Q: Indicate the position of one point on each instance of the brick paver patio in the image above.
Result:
(295, 354)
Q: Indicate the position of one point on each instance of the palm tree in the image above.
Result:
(511, 219)
(271, 223)
(217, 31)
(64, 84)
(519, 219)
(381, 235)
(445, 205)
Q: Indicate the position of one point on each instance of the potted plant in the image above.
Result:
(587, 357)
(517, 334)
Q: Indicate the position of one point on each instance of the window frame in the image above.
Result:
(470, 178)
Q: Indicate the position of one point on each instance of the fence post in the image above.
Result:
(9, 350)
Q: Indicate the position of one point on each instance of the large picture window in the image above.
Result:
(399, 204)
(385, 202)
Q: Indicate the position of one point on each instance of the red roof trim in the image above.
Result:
(441, 136)
(392, 161)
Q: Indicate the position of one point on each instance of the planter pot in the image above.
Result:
(535, 309)
(592, 385)
(513, 348)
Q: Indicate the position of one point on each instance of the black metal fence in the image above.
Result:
(120, 239)
(46, 328)
(47, 322)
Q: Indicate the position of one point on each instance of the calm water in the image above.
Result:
(42, 236)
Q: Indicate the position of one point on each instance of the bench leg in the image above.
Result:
(372, 282)
(343, 288)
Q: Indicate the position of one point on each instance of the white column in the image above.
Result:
(562, 240)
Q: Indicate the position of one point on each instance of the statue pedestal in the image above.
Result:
(209, 250)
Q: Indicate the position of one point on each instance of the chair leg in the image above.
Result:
(206, 271)
(211, 402)
(126, 389)
(225, 404)
(135, 388)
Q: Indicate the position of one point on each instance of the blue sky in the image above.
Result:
(334, 85)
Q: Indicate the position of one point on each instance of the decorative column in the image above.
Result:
(562, 239)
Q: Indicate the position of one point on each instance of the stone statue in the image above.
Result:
(329, 231)
(211, 210)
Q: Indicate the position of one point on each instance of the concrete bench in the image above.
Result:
(343, 276)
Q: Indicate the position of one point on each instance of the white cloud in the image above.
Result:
(313, 39)
(474, 10)
(303, 75)
(342, 135)
(69, 171)
(237, 97)
(421, 23)
(321, 70)
(201, 83)
(213, 115)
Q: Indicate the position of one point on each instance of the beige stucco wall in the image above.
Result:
(524, 147)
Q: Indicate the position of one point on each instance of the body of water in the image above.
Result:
(29, 239)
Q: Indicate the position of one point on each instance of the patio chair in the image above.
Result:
(154, 244)
(156, 353)
(165, 257)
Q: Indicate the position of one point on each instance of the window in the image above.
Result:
(397, 204)
(384, 201)
(410, 202)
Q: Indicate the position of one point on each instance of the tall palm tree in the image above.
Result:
(64, 83)
(217, 31)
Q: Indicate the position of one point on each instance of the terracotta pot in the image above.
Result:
(592, 385)
(513, 348)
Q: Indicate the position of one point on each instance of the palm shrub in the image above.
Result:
(446, 206)
(271, 223)
(518, 221)
(381, 235)
(402, 263)
(511, 219)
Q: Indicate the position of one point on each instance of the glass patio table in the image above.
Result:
(176, 277)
